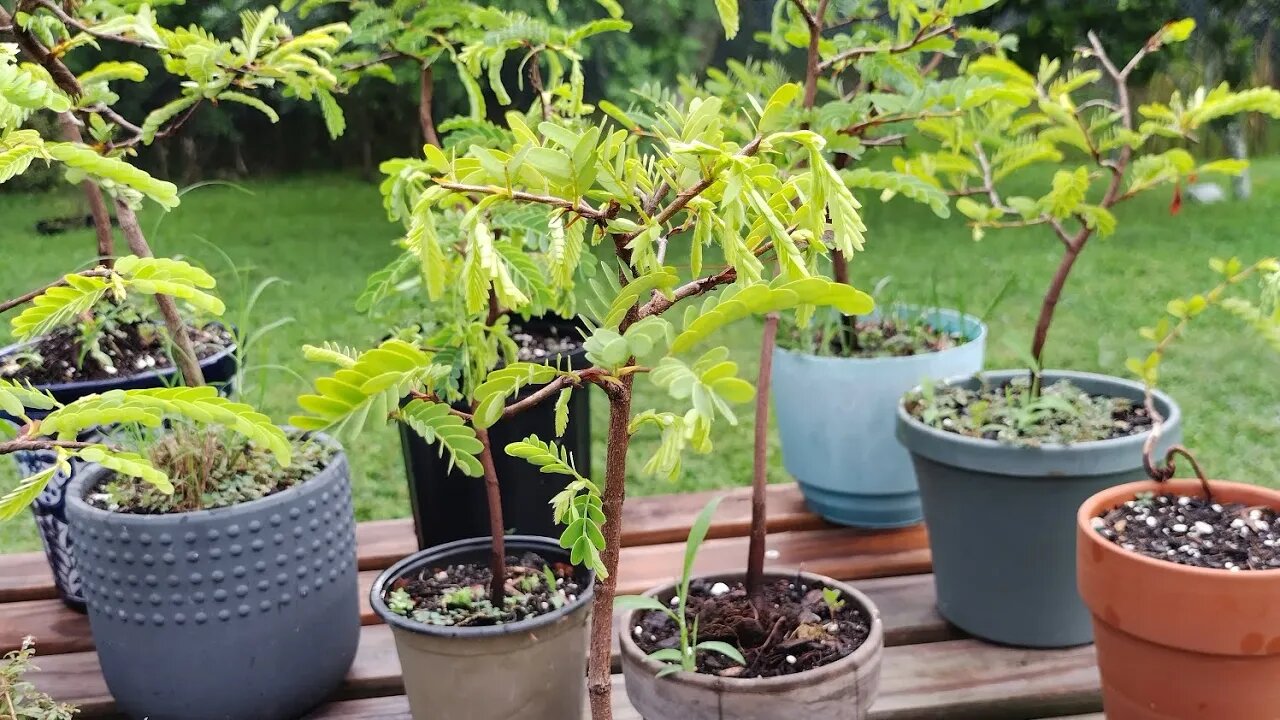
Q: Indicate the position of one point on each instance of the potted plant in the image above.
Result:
(1001, 458)
(530, 322)
(119, 346)
(770, 644)
(217, 552)
(838, 444)
(1204, 552)
(633, 190)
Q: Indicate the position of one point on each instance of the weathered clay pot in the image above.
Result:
(1176, 642)
(843, 690)
(532, 669)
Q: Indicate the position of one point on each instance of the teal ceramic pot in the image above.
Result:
(1002, 518)
(836, 419)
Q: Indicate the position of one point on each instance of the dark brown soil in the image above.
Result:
(540, 343)
(458, 595)
(1192, 531)
(796, 633)
(134, 348)
(876, 337)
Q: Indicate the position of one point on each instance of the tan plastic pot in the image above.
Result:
(1175, 642)
(843, 690)
(531, 669)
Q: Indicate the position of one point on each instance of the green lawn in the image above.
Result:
(324, 234)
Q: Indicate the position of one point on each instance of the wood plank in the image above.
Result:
(842, 553)
(953, 679)
(650, 520)
(25, 576)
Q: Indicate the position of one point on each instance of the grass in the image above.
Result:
(324, 234)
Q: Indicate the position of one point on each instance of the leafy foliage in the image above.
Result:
(435, 423)
(24, 700)
(63, 304)
(577, 507)
(1260, 312)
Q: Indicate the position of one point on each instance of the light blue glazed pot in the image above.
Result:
(836, 417)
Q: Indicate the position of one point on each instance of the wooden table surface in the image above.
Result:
(931, 670)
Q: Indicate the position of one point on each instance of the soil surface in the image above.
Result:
(458, 595)
(1062, 414)
(538, 344)
(1193, 531)
(133, 348)
(796, 633)
(211, 469)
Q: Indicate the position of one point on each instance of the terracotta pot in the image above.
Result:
(1176, 642)
(843, 690)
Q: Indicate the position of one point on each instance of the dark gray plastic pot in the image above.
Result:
(838, 443)
(1001, 518)
(843, 690)
(249, 611)
(532, 669)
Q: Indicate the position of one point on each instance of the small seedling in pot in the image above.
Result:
(831, 597)
(683, 658)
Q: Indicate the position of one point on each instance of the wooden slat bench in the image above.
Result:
(931, 670)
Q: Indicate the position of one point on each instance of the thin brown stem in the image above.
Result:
(425, 112)
(187, 360)
(759, 475)
(497, 531)
(92, 193)
(8, 305)
(813, 55)
(32, 444)
(1051, 297)
(578, 207)
(535, 82)
(599, 682)
(854, 53)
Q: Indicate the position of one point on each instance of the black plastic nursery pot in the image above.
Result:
(529, 669)
(49, 508)
(248, 611)
(447, 505)
(842, 690)
(1001, 518)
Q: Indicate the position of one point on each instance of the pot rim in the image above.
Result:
(88, 478)
(1119, 493)
(90, 387)
(410, 562)
(915, 425)
(873, 645)
(980, 337)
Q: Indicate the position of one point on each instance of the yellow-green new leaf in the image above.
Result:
(127, 463)
(58, 306)
(436, 424)
(113, 170)
(17, 500)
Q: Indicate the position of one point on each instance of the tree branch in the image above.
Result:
(8, 305)
(693, 191)
(853, 53)
(30, 444)
(579, 207)
(187, 360)
(77, 25)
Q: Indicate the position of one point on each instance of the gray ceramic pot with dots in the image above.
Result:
(1002, 518)
(248, 611)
